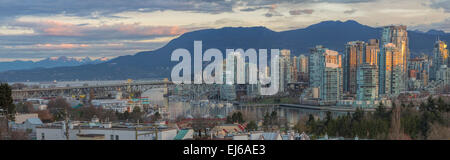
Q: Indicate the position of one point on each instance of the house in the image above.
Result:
(38, 104)
(32, 123)
(184, 134)
(226, 129)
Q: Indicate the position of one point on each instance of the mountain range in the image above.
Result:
(156, 64)
(48, 63)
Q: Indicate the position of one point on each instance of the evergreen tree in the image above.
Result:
(6, 101)
(266, 122)
(274, 118)
(252, 126)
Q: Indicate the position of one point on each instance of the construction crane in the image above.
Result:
(130, 94)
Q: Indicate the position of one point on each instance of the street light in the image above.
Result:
(66, 120)
(5, 114)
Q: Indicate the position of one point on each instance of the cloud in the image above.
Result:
(270, 2)
(61, 46)
(301, 11)
(56, 38)
(444, 4)
(55, 28)
(350, 11)
(64, 29)
(96, 8)
(272, 11)
(99, 8)
(55, 24)
(251, 9)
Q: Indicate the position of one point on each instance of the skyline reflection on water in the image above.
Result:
(180, 109)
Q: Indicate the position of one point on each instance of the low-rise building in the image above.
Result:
(104, 132)
(38, 104)
(20, 118)
(112, 104)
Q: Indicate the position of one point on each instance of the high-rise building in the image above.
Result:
(326, 74)
(285, 69)
(367, 81)
(443, 75)
(372, 50)
(294, 69)
(418, 71)
(303, 68)
(440, 57)
(234, 71)
(394, 76)
(393, 60)
(354, 57)
(420, 65)
(252, 89)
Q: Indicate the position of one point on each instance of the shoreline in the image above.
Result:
(320, 108)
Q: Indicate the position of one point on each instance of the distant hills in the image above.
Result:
(157, 64)
(49, 63)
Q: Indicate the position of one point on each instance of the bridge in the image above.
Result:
(97, 90)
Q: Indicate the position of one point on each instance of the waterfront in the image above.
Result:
(177, 107)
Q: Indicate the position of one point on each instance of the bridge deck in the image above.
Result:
(95, 86)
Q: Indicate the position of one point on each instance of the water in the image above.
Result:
(177, 108)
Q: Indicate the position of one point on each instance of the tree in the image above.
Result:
(59, 108)
(236, 117)
(274, 118)
(137, 114)
(126, 115)
(229, 120)
(425, 124)
(157, 116)
(410, 121)
(380, 112)
(252, 126)
(358, 115)
(109, 115)
(301, 125)
(240, 118)
(26, 107)
(311, 124)
(396, 131)
(266, 121)
(45, 116)
(59, 103)
(6, 101)
(328, 118)
(410, 105)
(442, 106)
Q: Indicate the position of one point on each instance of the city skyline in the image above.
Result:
(30, 31)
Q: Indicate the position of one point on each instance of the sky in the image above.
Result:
(38, 29)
